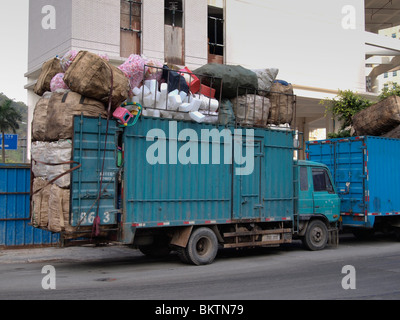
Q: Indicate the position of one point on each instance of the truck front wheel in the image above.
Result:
(202, 247)
(316, 236)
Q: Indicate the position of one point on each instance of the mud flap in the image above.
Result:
(333, 239)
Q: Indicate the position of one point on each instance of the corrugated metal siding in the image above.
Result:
(88, 150)
(371, 165)
(178, 193)
(15, 209)
(383, 165)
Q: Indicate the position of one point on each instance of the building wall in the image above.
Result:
(47, 43)
(304, 39)
(96, 26)
(153, 29)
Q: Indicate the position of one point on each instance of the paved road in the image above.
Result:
(271, 273)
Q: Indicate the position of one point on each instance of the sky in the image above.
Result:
(14, 17)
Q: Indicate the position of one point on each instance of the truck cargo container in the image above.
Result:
(366, 173)
(179, 185)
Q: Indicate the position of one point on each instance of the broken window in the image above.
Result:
(215, 34)
(131, 27)
(173, 13)
(174, 50)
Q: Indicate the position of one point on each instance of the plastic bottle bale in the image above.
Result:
(282, 103)
(379, 118)
(90, 76)
(49, 69)
(38, 153)
(59, 152)
(251, 110)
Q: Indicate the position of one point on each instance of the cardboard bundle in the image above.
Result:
(282, 104)
(40, 203)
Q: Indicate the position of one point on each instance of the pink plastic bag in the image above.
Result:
(58, 83)
(154, 69)
(67, 59)
(133, 68)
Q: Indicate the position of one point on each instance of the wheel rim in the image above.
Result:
(317, 236)
(203, 246)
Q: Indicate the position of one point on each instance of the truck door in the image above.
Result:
(88, 149)
(306, 200)
(326, 201)
(247, 188)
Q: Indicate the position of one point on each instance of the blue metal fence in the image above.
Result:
(15, 230)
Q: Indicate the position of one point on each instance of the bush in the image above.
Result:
(345, 106)
(393, 91)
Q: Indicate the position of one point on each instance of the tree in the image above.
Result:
(344, 107)
(9, 118)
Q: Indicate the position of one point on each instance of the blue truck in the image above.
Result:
(366, 173)
(164, 185)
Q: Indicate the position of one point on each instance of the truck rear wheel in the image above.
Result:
(202, 247)
(316, 236)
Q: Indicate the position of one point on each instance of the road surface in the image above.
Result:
(289, 272)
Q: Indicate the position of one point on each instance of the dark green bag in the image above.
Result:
(232, 78)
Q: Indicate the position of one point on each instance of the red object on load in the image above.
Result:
(191, 80)
(207, 91)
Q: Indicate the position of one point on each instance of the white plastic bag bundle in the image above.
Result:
(44, 153)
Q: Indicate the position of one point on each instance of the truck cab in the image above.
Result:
(318, 206)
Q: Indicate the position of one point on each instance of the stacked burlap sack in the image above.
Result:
(78, 84)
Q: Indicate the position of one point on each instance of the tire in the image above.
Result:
(159, 249)
(316, 236)
(364, 234)
(202, 247)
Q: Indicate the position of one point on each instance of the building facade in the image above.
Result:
(318, 48)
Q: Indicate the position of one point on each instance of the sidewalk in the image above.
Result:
(80, 253)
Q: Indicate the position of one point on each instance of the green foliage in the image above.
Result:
(345, 106)
(340, 134)
(10, 118)
(394, 90)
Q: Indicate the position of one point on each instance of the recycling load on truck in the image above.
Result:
(163, 159)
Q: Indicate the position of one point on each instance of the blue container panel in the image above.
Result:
(345, 160)
(383, 163)
(15, 209)
(277, 192)
(174, 193)
(88, 150)
(371, 165)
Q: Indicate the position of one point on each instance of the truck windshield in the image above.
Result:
(321, 180)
